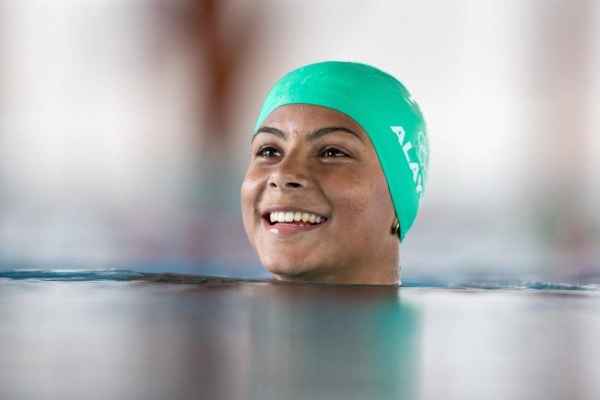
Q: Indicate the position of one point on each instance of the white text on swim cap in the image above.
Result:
(414, 166)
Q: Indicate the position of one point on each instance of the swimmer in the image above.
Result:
(337, 172)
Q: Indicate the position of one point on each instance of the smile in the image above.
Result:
(288, 222)
(295, 217)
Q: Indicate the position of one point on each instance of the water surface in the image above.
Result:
(128, 335)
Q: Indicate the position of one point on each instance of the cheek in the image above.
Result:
(364, 203)
(250, 193)
(247, 190)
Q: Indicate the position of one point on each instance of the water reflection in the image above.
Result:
(227, 341)
(147, 337)
(337, 343)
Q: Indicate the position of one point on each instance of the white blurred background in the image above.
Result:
(125, 127)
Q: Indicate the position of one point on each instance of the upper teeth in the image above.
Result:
(289, 216)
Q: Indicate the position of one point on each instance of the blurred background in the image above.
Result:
(125, 128)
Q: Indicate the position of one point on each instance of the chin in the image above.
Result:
(289, 269)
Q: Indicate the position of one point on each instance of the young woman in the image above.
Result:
(336, 176)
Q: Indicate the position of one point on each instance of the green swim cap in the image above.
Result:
(382, 107)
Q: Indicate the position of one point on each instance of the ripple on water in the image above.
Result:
(127, 275)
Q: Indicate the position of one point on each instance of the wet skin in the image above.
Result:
(316, 160)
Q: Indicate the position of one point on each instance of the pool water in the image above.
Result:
(123, 335)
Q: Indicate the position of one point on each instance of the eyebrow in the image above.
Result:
(314, 135)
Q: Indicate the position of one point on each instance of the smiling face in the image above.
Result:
(315, 202)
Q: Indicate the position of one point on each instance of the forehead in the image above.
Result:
(301, 119)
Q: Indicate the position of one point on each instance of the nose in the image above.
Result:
(290, 174)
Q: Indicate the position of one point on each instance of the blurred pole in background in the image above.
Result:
(220, 43)
(562, 132)
(217, 38)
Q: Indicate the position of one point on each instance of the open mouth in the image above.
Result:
(294, 218)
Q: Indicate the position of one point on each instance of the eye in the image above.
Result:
(333, 152)
(268, 152)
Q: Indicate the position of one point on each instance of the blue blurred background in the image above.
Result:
(125, 128)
